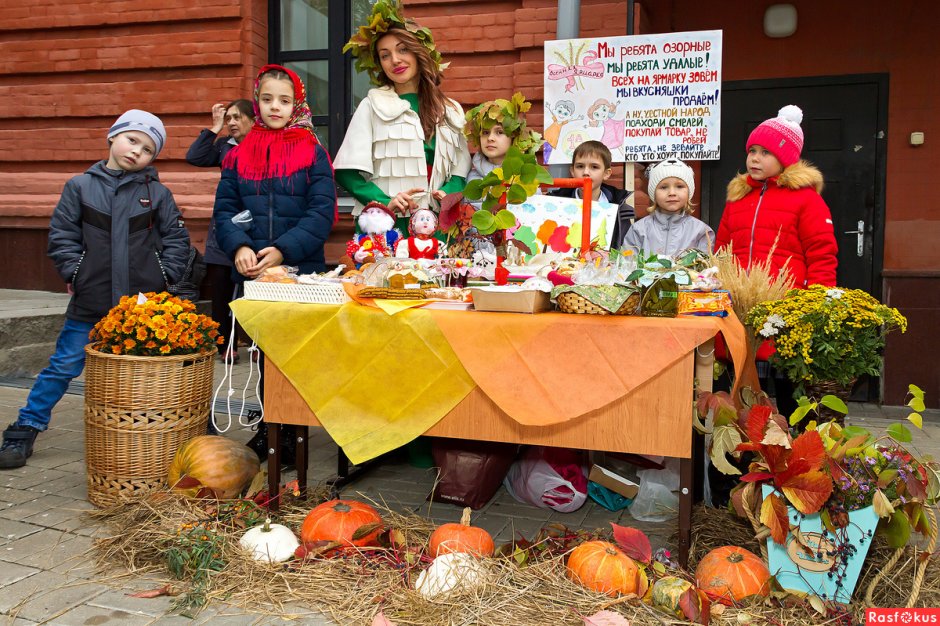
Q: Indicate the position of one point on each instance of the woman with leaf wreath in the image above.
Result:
(404, 147)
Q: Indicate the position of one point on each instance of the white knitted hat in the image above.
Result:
(670, 168)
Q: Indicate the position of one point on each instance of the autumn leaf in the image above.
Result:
(915, 488)
(606, 618)
(165, 590)
(886, 477)
(365, 530)
(725, 439)
(634, 543)
(695, 605)
(809, 447)
(754, 477)
(187, 482)
(757, 420)
(776, 436)
(881, 504)
(808, 492)
(773, 514)
(381, 620)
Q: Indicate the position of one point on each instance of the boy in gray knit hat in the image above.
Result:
(116, 231)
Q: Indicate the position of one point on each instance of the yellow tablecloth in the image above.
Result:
(373, 384)
(376, 381)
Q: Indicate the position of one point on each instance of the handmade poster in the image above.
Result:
(553, 224)
(646, 97)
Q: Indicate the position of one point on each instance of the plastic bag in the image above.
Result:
(243, 220)
(656, 500)
(549, 478)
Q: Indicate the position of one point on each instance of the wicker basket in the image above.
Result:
(138, 411)
(571, 302)
(318, 293)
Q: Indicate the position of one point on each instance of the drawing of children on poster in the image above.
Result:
(562, 113)
(601, 113)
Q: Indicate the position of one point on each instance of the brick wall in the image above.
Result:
(69, 68)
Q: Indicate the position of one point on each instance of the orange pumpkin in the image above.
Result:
(729, 574)
(461, 537)
(601, 566)
(212, 464)
(338, 520)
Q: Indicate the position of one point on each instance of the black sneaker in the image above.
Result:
(17, 446)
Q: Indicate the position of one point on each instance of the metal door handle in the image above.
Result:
(860, 238)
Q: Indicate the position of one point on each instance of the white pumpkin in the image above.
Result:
(270, 542)
(455, 571)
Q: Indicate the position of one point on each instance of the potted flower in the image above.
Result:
(148, 389)
(825, 337)
(826, 492)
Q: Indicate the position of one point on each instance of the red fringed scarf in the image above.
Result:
(266, 153)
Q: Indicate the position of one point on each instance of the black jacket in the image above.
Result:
(113, 236)
(293, 213)
(625, 213)
(208, 150)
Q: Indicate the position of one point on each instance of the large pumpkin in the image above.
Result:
(601, 566)
(210, 463)
(338, 520)
(461, 537)
(730, 574)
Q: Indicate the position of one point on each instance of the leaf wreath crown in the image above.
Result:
(510, 114)
(387, 14)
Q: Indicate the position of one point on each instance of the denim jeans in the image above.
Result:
(51, 384)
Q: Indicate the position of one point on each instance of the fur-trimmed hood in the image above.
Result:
(800, 175)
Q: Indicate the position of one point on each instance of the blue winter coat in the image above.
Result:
(293, 213)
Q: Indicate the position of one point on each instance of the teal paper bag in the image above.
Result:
(833, 570)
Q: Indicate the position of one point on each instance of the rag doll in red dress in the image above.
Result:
(421, 243)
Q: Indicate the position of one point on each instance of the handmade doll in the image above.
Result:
(421, 243)
(378, 235)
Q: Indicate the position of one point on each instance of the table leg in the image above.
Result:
(686, 486)
(274, 465)
(302, 435)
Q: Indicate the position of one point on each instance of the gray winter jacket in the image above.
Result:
(669, 233)
(115, 235)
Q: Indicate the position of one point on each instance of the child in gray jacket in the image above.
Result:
(115, 232)
(670, 226)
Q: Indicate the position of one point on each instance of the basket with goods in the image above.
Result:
(597, 299)
(283, 284)
(148, 389)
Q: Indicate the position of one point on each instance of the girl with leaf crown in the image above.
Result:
(404, 147)
(493, 127)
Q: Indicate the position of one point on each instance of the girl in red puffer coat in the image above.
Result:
(779, 194)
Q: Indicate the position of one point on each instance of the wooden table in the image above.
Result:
(655, 418)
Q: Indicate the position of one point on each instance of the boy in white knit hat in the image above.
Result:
(670, 226)
(116, 231)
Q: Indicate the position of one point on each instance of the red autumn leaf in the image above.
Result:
(808, 492)
(558, 242)
(754, 477)
(757, 418)
(795, 467)
(501, 274)
(776, 458)
(606, 618)
(749, 447)
(187, 482)
(634, 543)
(915, 488)
(314, 548)
(773, 515)
(690, 603)
(165, 590)
(835, 470)
(809, 447)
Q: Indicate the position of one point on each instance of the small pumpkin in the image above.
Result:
(339, 520)
(729, 574)
(667, 592)
(270, 542)
(601, 566)
(215, 465)
(455, 571)
(461, 537)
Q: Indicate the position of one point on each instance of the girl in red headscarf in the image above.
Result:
(279, 181)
